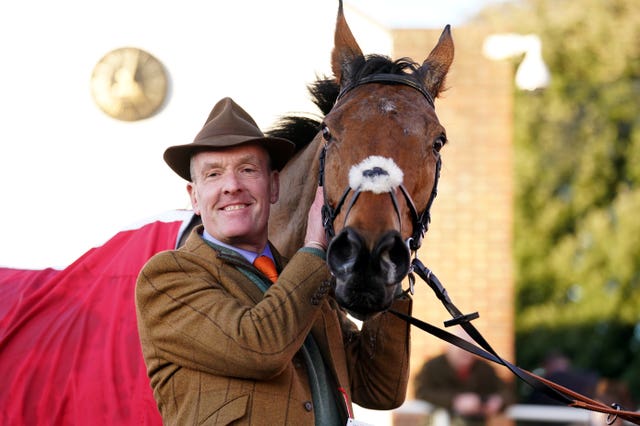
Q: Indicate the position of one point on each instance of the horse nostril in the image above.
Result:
(345, 253)
(393, 256)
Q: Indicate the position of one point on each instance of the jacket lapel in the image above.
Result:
(227, 264)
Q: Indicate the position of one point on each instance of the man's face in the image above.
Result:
(232, 191)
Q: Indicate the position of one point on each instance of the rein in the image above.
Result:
(484, 350)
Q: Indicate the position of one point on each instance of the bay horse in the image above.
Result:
(377, 152)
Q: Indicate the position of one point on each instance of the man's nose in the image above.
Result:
(231, 183)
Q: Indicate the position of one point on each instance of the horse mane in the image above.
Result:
(302, 128)
(324, 91)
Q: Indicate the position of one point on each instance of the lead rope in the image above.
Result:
(551, 389)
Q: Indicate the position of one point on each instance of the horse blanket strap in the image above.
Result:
(551, 389)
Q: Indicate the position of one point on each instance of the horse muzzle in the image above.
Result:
(367, 280)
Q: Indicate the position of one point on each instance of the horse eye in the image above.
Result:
(439, 143)
(326, 134)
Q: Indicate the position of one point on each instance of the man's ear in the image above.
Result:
(275, 186)
(193, 195)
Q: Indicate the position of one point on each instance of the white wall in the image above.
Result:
(70, 176)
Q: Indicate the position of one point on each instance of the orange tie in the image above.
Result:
(267, 267)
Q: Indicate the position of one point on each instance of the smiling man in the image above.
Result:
(227, 340)
(231, 191)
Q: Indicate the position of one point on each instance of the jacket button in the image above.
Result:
(308, 406)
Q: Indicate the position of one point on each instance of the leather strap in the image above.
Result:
(484, 350)
(403, 79)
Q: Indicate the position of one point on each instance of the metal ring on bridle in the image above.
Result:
(611, 417)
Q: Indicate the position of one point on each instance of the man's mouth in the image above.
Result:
(234, 207)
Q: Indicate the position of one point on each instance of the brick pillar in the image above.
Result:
(469, 244)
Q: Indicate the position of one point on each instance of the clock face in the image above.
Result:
(129, 84)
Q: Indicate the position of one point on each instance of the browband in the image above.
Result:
(389, 79)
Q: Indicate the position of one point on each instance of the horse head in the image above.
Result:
(379, 166)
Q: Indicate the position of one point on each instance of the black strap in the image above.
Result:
(404, 79)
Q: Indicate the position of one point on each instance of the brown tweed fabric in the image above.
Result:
(217, 352)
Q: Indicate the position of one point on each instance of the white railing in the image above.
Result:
(420, 413)
(548, 414)
(415, 412)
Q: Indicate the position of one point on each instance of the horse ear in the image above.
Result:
(435, 68)
(345, 50)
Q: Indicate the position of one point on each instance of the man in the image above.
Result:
(462, 383)
(222, 344)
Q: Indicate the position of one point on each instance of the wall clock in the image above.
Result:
(129, 84)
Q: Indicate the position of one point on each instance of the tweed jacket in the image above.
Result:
(218, 351)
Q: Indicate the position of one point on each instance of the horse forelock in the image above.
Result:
(381, 64)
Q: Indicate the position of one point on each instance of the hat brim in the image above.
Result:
(179, 157)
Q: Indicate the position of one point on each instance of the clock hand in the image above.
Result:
(131, 62)
(127, 87)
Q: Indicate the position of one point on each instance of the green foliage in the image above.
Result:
(577, 171)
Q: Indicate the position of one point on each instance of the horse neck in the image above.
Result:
(298, 183)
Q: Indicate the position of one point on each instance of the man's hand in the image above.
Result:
(467, 404)
(493, 405)
(315, 236)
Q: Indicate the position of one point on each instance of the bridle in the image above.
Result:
(420, 227)
(420, 220)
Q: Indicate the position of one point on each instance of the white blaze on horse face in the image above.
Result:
(376, 174)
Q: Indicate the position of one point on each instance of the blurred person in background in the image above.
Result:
(463, 384)
(558, 368)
